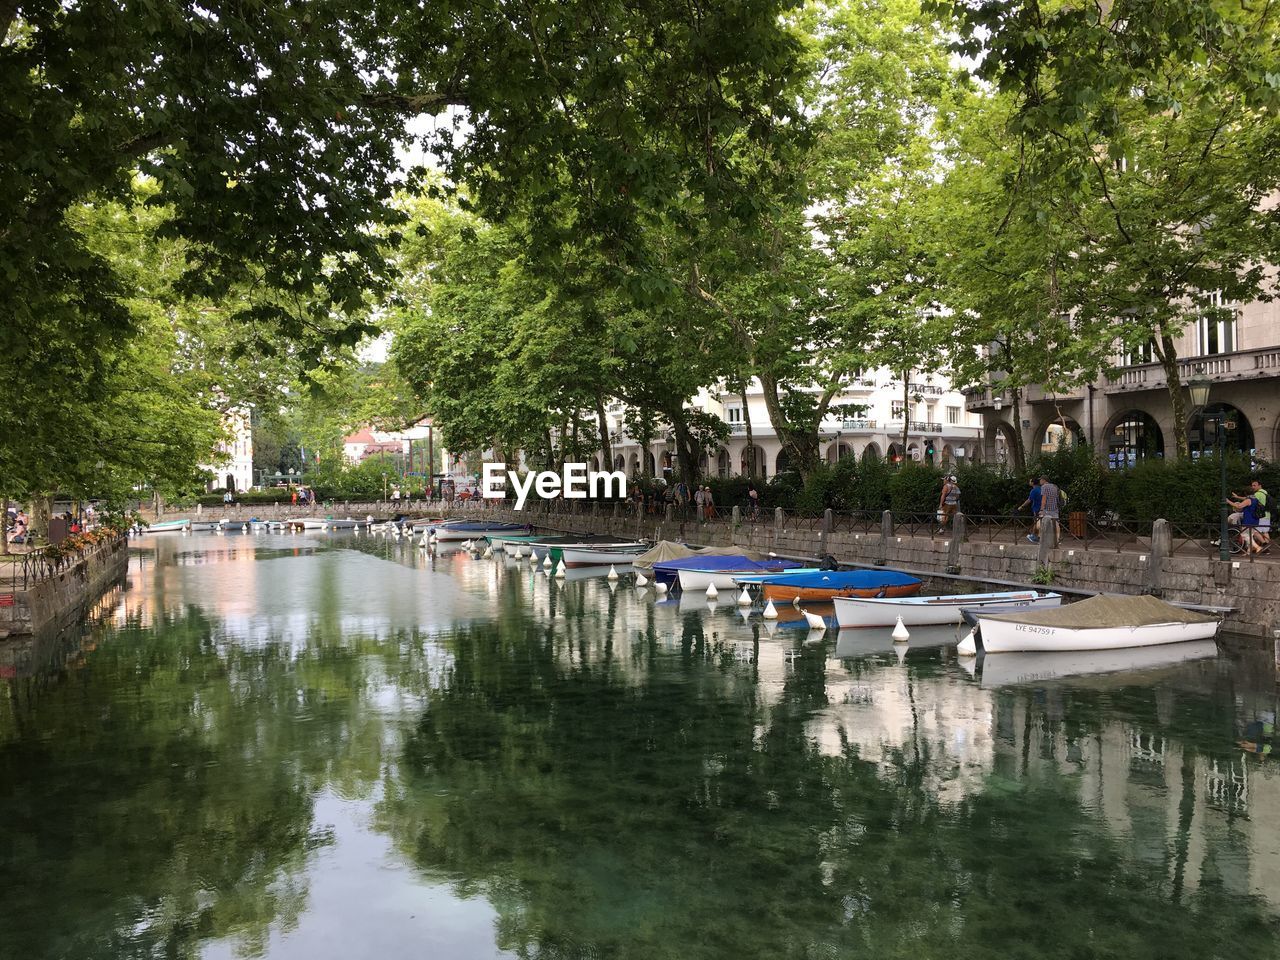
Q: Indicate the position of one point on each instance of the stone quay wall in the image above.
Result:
(1250, 590)
(55, 598)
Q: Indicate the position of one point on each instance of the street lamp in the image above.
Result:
(1198, 388)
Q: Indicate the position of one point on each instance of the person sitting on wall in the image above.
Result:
(1248, 513)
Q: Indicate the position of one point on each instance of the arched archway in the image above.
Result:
(783, 462)
(231, 482)
(871, 451)
(1004, 442)
(595, 464)
(619, 463)
(633, 465)
(838, 451)
(1202, 430)
(894, 454)
(1132, 436)
(913, 452)
(704, 464)
(724, 464)
(1058, 434)
(761, 462)
(652, 464)
(668, 462)
(947, 455)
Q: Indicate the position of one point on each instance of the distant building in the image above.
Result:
(232, 462)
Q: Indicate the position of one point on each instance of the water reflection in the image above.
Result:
(301, 746)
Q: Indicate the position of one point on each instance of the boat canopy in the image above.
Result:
(842, 579)
(1106, 610)
(667, 550)
(737, 563)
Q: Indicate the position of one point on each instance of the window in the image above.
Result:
(734, 414)
(896, 410)
(1215, 329)
(1143, 354)
(953, 414)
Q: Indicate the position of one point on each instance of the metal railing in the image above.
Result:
(23, 571)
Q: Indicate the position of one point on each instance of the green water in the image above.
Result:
(307, 747)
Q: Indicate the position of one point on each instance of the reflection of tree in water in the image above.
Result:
(162, 793)
(673, 814)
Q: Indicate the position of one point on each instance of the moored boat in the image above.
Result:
(830, 584)
(600, 555)
(1090, 665)
(1104, 622)
(472, 530)
(876, 611)
(698, 573)
(169, 526)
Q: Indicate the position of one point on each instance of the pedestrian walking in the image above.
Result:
(708, 503)
(1050, 504)
(1034, 498)
(699, 501)
(948, 502)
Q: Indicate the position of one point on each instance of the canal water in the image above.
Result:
(314, 746)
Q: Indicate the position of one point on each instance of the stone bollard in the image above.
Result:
(886, 534)
(1048, 541)
(736, 516)
(777, 526)
(1161, 547)
(828, 521)
(957, 538)
(670, 512)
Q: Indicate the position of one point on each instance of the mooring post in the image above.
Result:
(957, 538)
(886, 534)
(1161, 547)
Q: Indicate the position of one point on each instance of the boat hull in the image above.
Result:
(470, 531)
(603, 556)
(1003, 636)
(170, 526)
(1023, 668)
(871, 611)
(784, 593)
(701, 579)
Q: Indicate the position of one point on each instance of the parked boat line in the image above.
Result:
(830, 584)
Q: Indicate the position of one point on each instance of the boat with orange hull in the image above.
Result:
(827, 585)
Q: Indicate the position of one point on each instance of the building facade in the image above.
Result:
(1128, 416)
(232, 462)
(867, 418)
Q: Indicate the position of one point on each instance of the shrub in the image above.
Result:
(914, 488)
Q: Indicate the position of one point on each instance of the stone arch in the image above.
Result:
(783, 462)
(231, 482)
(1003, 432)
(947, 454)
(704, 464)
(913, 452)
(894, 454)
(870, 452)
(839, 450)
(619, 462)
(724, 464)
(633, 465)
(1132, 435)
(761, 462)
(1202, 430)
(1058, 433)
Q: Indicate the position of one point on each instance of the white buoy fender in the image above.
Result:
(560, 571)
(613, 573)
(968, 647)
(900, 633)
(660, 588)
(712, 592)
(546, 560)
(488, 554)
(815, 622)
(770, 611)
(744, 598)
(641, 581)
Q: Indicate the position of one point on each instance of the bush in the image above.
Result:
(1181, 491)
(915, 488)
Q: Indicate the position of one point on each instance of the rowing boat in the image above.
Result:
(1105, 622)
(601, 554)
(698, 573)
(830, 584)
(916, 611)
(169, 526)
(472, 530)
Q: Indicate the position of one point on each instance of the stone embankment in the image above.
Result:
(1251, 590)
(39, 596)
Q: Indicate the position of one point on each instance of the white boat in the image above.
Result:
(207, 525)
(916, 611)
(1105, 622)
(1022, 668)
(169, 526)
(471, 530)
(601, 554)
(322, 523)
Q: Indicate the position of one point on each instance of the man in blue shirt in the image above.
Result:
(1250, 510)
(1033, 501)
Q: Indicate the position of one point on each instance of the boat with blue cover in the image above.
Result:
(829, 584)
(698, 573)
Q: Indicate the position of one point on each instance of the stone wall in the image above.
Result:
(54, 601)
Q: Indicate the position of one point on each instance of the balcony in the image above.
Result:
(913, 426)
(1220, 368)
(853, 426)
(926, 389)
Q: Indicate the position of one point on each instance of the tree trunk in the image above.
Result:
(606, 448)
(687, 453)
(41, 511)
(751, 440)
(573, 438)
(646, 441)
(1168, 355)
(1019, 446)
(801, 444)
